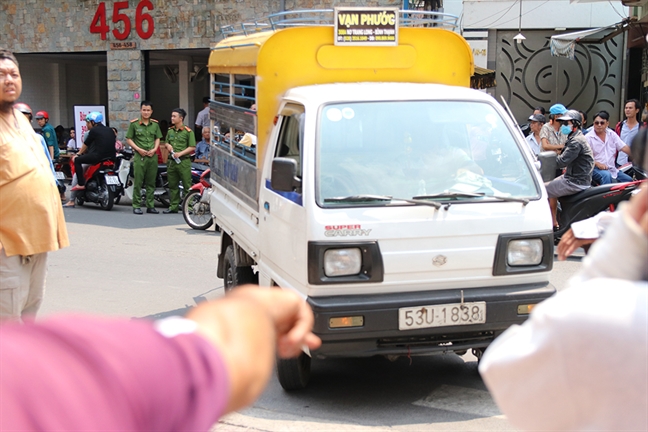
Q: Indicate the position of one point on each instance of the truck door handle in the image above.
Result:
(266, 206)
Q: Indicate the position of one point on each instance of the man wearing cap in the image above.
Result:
(577, 157)
(536, 122)
(551, 137)
(48, 133)
(25, 109)
(99, 145)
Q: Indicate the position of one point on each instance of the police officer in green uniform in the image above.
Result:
(144, 137)
(48, 132)
(180, 142)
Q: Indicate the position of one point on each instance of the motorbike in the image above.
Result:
(195, 205)
(125, 174)
(101, 185)
(591, 201)
(585, 204)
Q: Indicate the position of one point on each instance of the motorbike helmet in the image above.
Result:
(41, 114)
(95, 117)
(572, 116)
(23, 108)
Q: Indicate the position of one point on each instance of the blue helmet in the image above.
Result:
(94, 116)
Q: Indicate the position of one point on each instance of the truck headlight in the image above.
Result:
(342, 262)
(524, 252)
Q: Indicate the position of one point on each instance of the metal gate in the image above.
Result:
(529, 76)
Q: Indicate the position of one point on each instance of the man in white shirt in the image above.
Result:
(536, 121)
(605, 145)
(202, 119)
(628, 128)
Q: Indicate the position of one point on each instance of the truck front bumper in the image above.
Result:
(380, 332)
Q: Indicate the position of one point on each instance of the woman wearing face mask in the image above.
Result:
(577, 157)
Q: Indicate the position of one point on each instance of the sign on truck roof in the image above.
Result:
(366, 26)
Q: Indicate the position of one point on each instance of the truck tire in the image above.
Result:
(234, 276)
(294, 373)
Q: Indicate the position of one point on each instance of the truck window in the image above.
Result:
(291, 135)
(404, 149)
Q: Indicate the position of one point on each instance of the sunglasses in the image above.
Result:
(599, 123)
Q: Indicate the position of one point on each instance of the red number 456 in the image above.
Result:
(98, 24)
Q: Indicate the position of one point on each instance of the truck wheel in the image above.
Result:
(235, 276)
(294, 373)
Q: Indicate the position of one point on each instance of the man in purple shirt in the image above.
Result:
(177, 374)
(605, 146)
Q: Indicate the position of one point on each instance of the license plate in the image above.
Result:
(60, 175)
(112, 180)
(441, 315)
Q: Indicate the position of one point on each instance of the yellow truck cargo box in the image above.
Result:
(293, 57)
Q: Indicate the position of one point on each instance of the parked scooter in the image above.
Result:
(125, 173)
(585, 204)
(195, 206)
(101, 185)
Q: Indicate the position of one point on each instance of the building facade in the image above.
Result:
(118, 53)
(600, 77)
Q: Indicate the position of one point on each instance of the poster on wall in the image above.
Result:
(80, 113)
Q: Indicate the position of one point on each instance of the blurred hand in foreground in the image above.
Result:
(249, 326)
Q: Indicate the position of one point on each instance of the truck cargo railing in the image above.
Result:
(237, 91)
(241, 151)
(325, 17)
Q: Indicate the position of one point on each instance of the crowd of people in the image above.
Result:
(544, 134)
(578, 363)
(587, 155)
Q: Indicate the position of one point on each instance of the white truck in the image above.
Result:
(402, 206)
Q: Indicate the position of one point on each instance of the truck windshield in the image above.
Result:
(427, 150)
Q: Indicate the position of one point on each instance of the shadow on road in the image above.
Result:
(122, 216)
(369, 391)
(206, 296)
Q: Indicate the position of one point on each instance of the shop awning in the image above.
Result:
(482, 78)
(564, 45)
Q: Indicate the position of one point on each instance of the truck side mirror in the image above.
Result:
(284, 175)
(548, 165)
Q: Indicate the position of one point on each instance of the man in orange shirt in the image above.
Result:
(31, 217)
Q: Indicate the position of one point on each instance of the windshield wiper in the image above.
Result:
(524, 201)
(450, 195)
(359, 198)
(380, 198)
